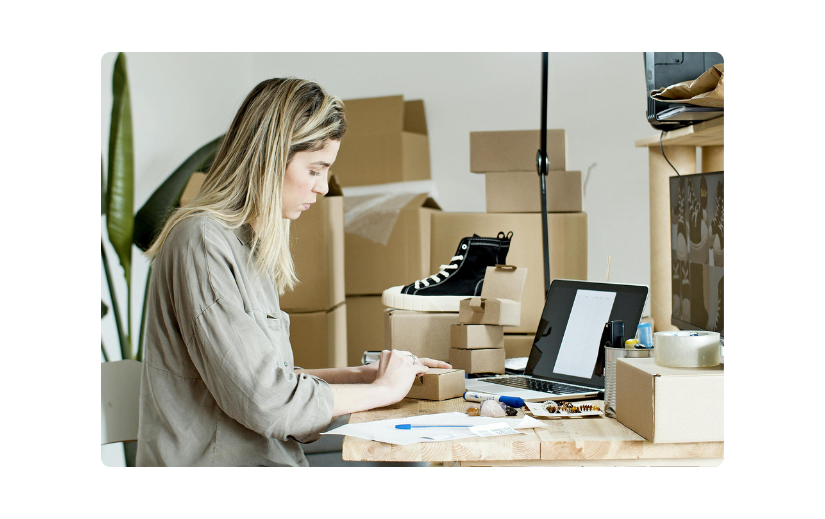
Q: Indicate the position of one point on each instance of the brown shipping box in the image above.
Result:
(500, 300)
(424, 334)
(370, 267)
(319, 339)
(318, 254)
(670, 405)
(567, 234)
(365, 327)
(478, 361)
(386, 142)
(438, 384)
(515, 150)
(473, 336)
(518, 345)
(193, 185)
(517, 192)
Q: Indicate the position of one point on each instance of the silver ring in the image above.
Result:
(414, 358)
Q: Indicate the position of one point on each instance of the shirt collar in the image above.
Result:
(244, 233)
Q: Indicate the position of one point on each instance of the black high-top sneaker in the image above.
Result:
(462, 278)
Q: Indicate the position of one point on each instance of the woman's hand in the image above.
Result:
(370, 370)
(396, 371)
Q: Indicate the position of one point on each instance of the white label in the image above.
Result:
(580, 344)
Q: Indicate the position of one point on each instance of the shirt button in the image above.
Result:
(284, 364)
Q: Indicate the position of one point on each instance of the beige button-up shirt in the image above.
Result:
(218, 386)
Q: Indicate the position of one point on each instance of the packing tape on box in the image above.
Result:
(686, 349)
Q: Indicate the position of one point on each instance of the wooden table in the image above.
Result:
(584, 441)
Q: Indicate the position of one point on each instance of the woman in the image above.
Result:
(219, 386)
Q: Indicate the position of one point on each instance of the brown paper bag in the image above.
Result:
(707, 90)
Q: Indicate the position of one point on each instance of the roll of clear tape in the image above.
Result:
(686, 349)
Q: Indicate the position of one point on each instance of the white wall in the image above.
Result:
(181, 101)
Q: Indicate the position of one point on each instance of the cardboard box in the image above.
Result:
(518, 345)
(500, 300)
(517, 192)
(478, 361)
(193, 185)
(424, 334)
(386, 142)
(670, 405)
(438, 384)
(365, 327)
(515, 150)
(318, 254)
(319, 339)
(474, 336)
(371, 267)
(568, 249)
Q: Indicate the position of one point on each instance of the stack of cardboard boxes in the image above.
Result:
(388, 242)
(477, 342)
(507, 159)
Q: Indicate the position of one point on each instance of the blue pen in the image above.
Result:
(411, 426)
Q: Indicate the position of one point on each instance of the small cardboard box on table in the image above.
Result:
(478, 361)
(670, 405)
(438, 384)
(476, 336)
(500, 300)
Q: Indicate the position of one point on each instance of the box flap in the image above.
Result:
(375, 115)
(414, 119)
(504, 282)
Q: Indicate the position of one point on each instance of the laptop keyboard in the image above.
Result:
(539, 385)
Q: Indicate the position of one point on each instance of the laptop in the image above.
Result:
(567, 360)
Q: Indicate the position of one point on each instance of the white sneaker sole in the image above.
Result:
(393, 298)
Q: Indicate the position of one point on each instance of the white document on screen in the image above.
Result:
(580, 344)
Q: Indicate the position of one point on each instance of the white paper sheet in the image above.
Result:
(494, 429)
(385, 431)
(580, 344)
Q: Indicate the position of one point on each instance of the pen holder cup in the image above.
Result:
(610, 356)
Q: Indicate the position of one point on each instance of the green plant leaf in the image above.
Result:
(102, 187)
(120, 197)
(150, 218)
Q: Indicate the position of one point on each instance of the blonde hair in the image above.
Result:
(279, 118)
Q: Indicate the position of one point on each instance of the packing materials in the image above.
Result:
(474, 336)
(567, 237)
(372, 263)
(318, 254)
(518, 192)
(319, 339)
(424, 334)
(500, 300)
(670, 405)
(515, 150)
(386, 142)
(365, 327)
(438, 384)
(478, 361)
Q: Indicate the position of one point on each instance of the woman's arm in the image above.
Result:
(362, 374)
(393, 376)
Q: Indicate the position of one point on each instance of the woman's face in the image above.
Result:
(306, 179)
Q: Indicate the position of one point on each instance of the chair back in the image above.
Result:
(120, 393)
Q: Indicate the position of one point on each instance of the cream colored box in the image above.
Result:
(478, 361)
(518, 345)
(438, 384)
(476, 336)
(500, 300)
(670, 405)
(515, 150)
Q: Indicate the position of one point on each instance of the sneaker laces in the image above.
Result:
(443, 272)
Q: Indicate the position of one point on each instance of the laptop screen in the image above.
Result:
(566, 346)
